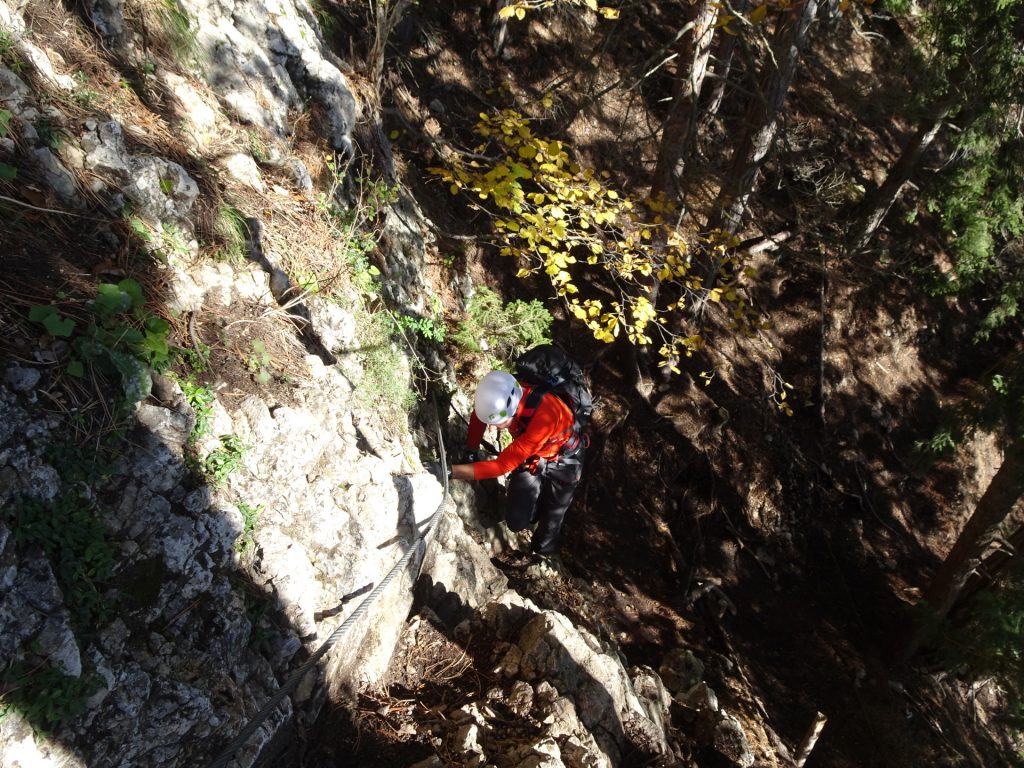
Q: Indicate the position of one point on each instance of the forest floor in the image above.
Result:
(787, 552)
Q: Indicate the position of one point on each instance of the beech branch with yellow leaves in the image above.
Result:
(570, 224)
(520, 8)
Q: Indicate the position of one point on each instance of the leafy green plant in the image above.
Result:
(44, 695)
(221, 462)
(504, 330)
(139, 228)
(196, 358)
(260, 608)
(70, 531)
(943, 441)
(8, 55)
(362, 273)
(7, 172)
(989, 640)
(121, 338)
(83, 94)
(50, 135)
(429, 328)
(258, 361)
(250, 516)
(200, 399)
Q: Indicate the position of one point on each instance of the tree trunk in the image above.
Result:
(898, 176)
(723, 65)
(999, 499)
(997, 562)
(677, 133)
(762, 117)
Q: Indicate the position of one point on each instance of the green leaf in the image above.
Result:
(156, 324)
(5, 122)
(8, 172)
(111, 300)
(57, 326)
(76, 369)
(155, 348)
(140, 229)
(135, 380)
(52, 321)
(134, 291)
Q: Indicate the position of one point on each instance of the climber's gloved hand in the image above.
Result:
(435, 468)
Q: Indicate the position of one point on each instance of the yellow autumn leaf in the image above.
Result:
(520, 13)
(523, 273)
(506, 12)
(758, 14)
(610, 13)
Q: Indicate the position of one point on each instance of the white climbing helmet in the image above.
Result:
(497, 397)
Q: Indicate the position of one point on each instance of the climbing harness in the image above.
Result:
(418, 544)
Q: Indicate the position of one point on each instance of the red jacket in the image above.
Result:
(544, 434)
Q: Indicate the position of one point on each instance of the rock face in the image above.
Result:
(185, 654)
(260, 59)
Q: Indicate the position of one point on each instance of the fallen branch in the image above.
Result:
(813, 734)
(46, 210)
(758, 245)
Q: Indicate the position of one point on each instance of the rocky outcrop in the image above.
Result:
(260, 59)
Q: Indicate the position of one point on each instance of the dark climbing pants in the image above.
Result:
(543, 499)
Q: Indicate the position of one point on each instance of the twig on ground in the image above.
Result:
(7, 199)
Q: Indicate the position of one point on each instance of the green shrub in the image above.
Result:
(121, 339)
(250, 515)
(43, 695)
(990, 641)
(429, 328)
(503, 330)
(980, 201)
(223, 461)
(70, 531)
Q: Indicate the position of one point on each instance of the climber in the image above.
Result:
(545, 456)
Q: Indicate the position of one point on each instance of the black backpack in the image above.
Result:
(548, 369)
